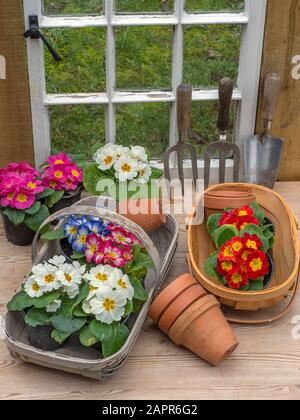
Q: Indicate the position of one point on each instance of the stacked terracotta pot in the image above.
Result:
(192, 318)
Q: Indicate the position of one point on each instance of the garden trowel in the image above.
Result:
(263, 152)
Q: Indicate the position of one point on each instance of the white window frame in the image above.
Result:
(246, 92)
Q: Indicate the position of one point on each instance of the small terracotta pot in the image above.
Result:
(203, 329)
(146, 213)
(217, 201)
(168, 295)
(179, 305)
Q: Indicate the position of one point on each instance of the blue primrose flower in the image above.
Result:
(71, 230)
(79, 244)
(99, 228)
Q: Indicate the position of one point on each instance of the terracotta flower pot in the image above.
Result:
(179, 305)
(203, 329)
(146, 213)
(168, 295)
(217, 201)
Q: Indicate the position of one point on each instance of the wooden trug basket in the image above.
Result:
(73, 357)
(285, 253)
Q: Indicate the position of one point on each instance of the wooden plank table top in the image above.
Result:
(265, 366)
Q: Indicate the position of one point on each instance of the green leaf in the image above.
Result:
(156, 173)
(34, 209)
(36, 317)
(20, 302)
(137, 305)
(66, 325)
(128, 308)
(46, 299)
(59, 337)
(257, 285)
(84, 291)
(14, 216)
(139, 291)
(142, 261)
(55, 198)
(252, 230)
(77, 256)
(225, 234)
(86, 337)
(116, 341)
(258, 212)
(46, 193)
(91, 177)
(35, 221)
(53, 235)
(245, 288)
(78, 312)
(213, 223)
(101, 331)
(210, 268)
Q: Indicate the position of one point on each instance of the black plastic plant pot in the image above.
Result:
(19, 235)
(66, 201)
(40, 338)
(269, 277)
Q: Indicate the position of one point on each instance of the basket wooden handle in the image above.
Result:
(245, 321)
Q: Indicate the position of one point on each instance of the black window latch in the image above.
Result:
(34, 33)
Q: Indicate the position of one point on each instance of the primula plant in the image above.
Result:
(121, 165)
(26, 194)
(93, 303)
(22, 195)
(92, 289)
(243, 237)
(61, 175)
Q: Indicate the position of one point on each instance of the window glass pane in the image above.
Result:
(214, 5)
(144, 125)
(82, 68)
(144, 58)
(67, 7)
(140, 6)
(77, 128)
(211, 52)
(204, 124)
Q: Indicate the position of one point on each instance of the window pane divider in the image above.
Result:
(143, 20)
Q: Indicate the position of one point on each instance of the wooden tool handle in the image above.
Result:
(272, 88)
(225, 97)
(184, 107)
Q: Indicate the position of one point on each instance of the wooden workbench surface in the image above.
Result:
(266, 364)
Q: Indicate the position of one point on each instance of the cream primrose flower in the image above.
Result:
(126, 169)
(122, 284)
(106, 157)
(86, 307)
(144, 173)
(72, 291)
(101, 276)
(69, 276)
(57, 260)
(33, 288)
(54, 306)
(139, 153)
(48, 279)
(108, 306)
(121, 151)
(80, 268)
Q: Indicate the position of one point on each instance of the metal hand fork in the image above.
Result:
(184, 106)
(221, 149)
